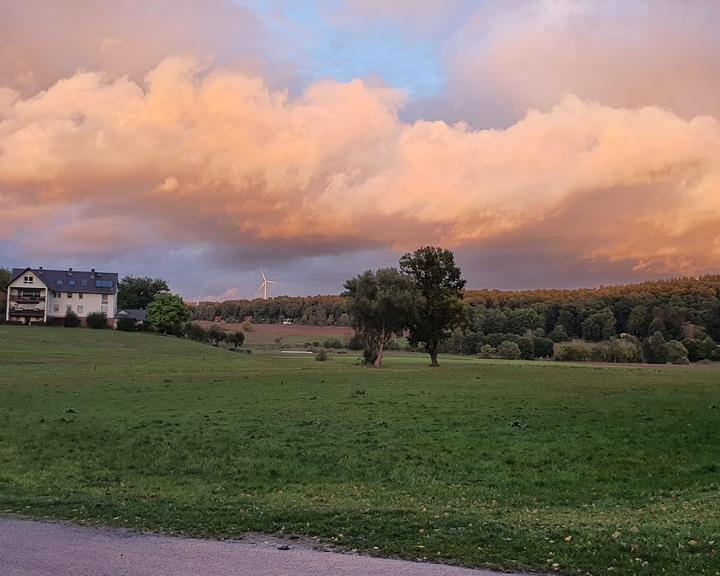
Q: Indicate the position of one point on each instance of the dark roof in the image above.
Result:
(133, 313)
(73, 280)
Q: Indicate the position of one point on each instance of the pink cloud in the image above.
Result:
(215, 156)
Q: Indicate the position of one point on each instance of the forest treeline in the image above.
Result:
(682, 309)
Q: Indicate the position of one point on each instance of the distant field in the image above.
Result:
(291, 335)
(579, 469)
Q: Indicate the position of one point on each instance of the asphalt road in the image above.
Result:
(31, 548)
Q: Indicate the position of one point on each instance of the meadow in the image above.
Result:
(517, 465)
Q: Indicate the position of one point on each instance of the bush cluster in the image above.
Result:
(97, 320)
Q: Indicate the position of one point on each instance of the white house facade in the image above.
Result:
(39, 295)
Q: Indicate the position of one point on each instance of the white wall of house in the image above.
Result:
(81, 303)
(28, 280)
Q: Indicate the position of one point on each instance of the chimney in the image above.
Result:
(92, 272)
(69, 272)
(40, 270)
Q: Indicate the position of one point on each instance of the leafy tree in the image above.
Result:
(676, 353)
(709, 349)
(523, 319)
(440, 307)
(527, 348)
(543, 347)
(167, 312)
(638, 321)
(559, 334)
(655, 351)
(658, 325)
(509, 350)
(493, 320)
(135, 292)
(381, 303)
(599, 326)
(712, 321)
(97, 320)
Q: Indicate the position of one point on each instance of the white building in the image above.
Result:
(38, 295)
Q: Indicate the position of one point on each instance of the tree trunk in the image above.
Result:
(381, 347)
(432, 350)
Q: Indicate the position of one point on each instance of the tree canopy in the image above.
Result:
(381, 304)
(440, 308)
(167, 312)
(137, 292)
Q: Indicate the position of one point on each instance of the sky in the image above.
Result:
(548, 143)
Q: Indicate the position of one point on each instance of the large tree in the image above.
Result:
(440, 283)
(135, 292)
(382, 303)
(167, 312)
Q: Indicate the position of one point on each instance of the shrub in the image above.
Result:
(619, 350)
(676, 353)
(544, 347)
(333, 343)
(126, 324)
(195, 332)
(392, 345)
(321, 355)
(487, 351)
(97, 320)
(572, 352)
(509, 350)
(316, 344)
(235, 339)
(356, 342)
(215, 335)
(71, 320)
(247, 326)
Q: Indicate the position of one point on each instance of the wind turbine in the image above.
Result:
(264, 286)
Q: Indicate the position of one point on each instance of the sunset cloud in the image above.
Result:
(216, 156)
(580, 138)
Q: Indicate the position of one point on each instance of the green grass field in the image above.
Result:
(581, 469)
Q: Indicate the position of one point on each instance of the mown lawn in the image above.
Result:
(581, 469)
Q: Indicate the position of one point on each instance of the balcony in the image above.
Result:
(23, 312)
(26, 299)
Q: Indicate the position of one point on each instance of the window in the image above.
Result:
(104, 298)
(103, 309)
(56, 307)
(56, 294)
(103, 283)
(80, 309)
(72, 282)
(83, 282)
(59, 282)
(69, 294)
(80, 295)
(28, 280)
(69, 308)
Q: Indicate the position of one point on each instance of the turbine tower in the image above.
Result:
(264, 286)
